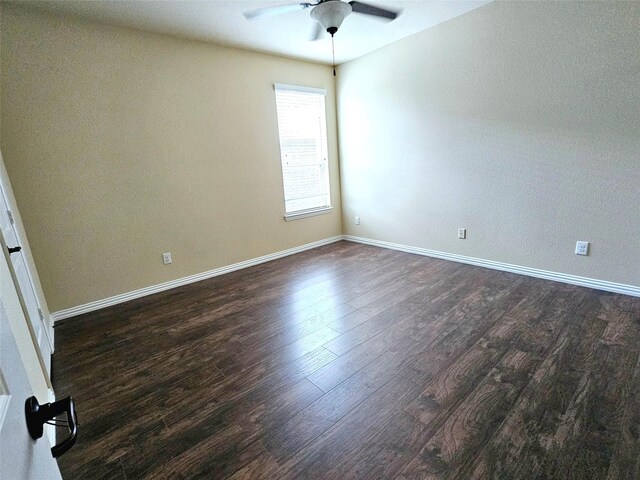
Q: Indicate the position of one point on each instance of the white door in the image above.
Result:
(21, 457)
(39, 325)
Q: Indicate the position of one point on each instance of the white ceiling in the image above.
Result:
(222, 22)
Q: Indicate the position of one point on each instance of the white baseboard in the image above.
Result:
(142, 292)
(505, 267)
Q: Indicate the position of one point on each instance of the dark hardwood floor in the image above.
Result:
(350, 361)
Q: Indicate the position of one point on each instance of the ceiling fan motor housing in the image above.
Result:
(330, 14)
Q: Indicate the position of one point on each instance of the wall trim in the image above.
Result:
(505, 267)
(161, 287)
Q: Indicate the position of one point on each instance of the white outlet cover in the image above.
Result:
(166, 258)
(462, 233)
(582, 248)
(357, 220)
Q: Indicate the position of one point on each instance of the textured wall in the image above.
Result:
(11, 304)
(121, 145)
(519, 121)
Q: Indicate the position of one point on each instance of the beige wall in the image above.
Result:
(519, 121)
(10, 301)
(121, 145)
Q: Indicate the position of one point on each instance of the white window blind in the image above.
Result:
(302, 127)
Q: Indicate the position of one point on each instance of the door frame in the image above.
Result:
(14, 280)
(5, 188)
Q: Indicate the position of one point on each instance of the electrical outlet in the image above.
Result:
(582, 248)
(462, 233)
(357, 220)
(166, 258)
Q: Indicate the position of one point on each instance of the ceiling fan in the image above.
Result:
(328, 14)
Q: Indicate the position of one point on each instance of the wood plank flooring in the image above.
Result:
(352, 362)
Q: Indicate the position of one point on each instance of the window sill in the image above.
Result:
(309, 213)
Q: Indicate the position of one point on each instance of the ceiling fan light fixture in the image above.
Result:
(330, 14)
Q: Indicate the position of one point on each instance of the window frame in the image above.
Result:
(309, 212)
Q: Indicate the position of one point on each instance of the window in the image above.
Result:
(302, 127)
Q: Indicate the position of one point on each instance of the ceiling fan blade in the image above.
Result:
(277, 10)
(367, 9)
(316, 33)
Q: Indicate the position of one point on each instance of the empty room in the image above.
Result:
(341, 239)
